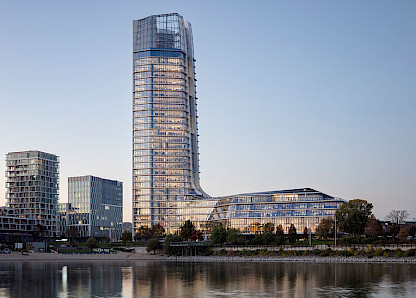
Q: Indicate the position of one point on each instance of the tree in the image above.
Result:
(167, 249)
(218, 235)
(394, 230)
(268, 234)
(373, 227)
(403, 234)
(234, 236)
(157, 231)
(352, 216)
(186, 230)
(412, 231)
(143, 233)
(91, 242)
(397, 216)
(126, 236)
(196, 235)
(325, 227)
(280, 235)
(72, 232)
(305, 233)
(292, 235)
(153, 244)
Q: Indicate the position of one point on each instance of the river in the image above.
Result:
(171, 279)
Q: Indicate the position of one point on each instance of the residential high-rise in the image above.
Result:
(32, 184)
(95, 207)
(166, 187)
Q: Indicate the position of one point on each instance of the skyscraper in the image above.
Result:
(165, 144)
(32, 183)
(166, 187)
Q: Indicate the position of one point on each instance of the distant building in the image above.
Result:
(13, 227)
(32, 184)
(127, 226)
(95, 207)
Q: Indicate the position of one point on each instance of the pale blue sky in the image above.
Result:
(318, 94)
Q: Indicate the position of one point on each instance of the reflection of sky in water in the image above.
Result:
(160, 279)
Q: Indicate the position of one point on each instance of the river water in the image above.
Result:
(169, 279)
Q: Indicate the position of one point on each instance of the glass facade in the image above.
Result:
(95, 206)
(166, 187)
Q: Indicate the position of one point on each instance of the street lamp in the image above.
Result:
(335, 217)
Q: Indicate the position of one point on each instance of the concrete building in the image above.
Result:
(166, 188)
(95, 207)
(32, 184)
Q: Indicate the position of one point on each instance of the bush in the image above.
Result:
(379, 252)
(346, 253)
(327, 252)
(316, 252)
(410, 253)
(399, 253)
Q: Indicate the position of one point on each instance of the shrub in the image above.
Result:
(379, 252)
(316, 252)
(410, 253)
(346, 253)
(399, 253)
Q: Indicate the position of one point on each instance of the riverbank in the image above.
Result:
(56, 257)
(123, 256)
(297, 259)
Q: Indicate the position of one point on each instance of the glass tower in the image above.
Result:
(165, 144)
(166, 187)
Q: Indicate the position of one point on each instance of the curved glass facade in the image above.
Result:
(166, 187)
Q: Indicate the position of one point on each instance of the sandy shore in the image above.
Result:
(119, 256)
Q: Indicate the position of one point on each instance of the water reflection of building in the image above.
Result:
(166, 186)
(94, 208)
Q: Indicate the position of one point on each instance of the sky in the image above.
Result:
(292, 94)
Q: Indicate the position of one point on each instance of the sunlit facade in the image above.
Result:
(166, 187)
(95, 207)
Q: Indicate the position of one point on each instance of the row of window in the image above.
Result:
(178, 94)
(159, 60)
(161, 165)
(165, 126)
(168, 87)
(143, 172)
(159, 158)
(160, 146)
(164, 113)
(160, 100)
(155, 53)
(166, 139)
(161, 107)
(156, 120)
(171, 81)
(159, 74)
(152, 133)
(160, 67)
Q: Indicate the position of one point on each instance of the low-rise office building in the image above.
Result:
(94, 208)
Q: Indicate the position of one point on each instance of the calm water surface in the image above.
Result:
(164, 279)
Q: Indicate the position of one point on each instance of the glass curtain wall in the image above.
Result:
(165, 156)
